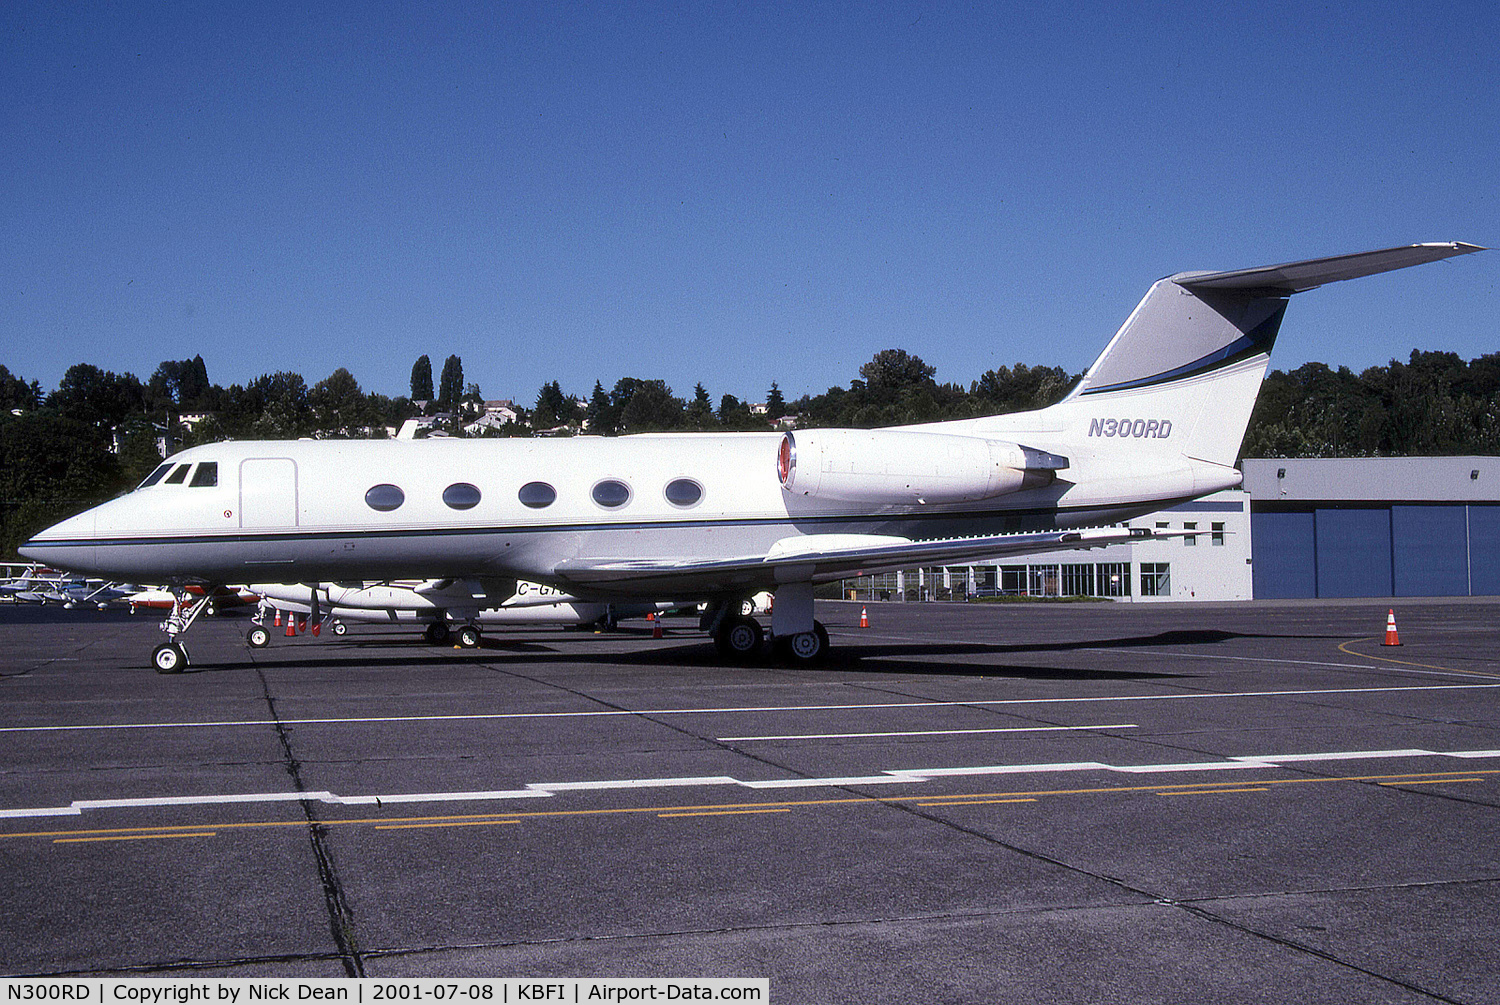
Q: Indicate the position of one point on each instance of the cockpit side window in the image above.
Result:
(176, 477)
(155, 476)
(207, 475)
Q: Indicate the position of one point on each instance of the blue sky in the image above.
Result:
(723, 193)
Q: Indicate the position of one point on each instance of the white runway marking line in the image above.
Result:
(928, 732)
(737, 710)
(901, 776)
(1404, 667)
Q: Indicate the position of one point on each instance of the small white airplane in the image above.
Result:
(1157, 420)
(433, 604)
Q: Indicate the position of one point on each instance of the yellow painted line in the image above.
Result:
(447, 823)
(1213, 792)
(977, 802)
(1435, 781)
(195, 830)
(724, 813)
(136, 837)
(1407, 663)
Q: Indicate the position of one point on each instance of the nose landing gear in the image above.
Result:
(171, 656)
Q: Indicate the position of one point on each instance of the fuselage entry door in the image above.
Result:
(268, 492)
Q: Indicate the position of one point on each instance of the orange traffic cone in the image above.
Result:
(291, 626)
(655, 626)
(864, 617)
(277, 622)
(1391, 638)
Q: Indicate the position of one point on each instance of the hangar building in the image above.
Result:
(1375, 526)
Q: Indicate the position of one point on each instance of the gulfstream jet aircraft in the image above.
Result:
(1155, 421)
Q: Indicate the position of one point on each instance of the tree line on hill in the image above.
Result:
(99, 433)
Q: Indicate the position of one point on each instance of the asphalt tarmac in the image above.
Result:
(967, 803)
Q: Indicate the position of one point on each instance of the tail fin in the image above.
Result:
(1193, 352)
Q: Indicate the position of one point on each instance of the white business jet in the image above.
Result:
(466, 605)
(1157, 420)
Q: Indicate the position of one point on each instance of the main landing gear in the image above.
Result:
(438, 633)
(795, 636)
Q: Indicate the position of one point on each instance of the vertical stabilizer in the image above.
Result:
(1191, 356)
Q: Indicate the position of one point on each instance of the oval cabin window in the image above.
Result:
(683, 492)
(537, 495)
(611, 494)
(461, 495)
(384, 498)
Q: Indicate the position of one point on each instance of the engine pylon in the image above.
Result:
(1391, 638)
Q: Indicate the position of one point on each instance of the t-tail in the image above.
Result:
(1181, 375)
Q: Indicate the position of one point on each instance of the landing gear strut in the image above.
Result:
(171, 656)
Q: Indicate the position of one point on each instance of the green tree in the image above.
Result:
(16, 393)
(51, 467)
(421, 379)
(700, 411)
(775, 404)
(652, 408)
(451, 384)
(603, 417)
(552, 407)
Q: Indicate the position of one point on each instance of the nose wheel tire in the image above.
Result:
(257, 638)
(339, 628)
(468, 637)
(169, 657)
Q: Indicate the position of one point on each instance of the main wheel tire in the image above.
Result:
(436, 633)
(809, 647)
(740, 638)
(339, 628)
(468, 637)
(257, 637)
(169, 657)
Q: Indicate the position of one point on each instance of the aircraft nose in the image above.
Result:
(70, 544)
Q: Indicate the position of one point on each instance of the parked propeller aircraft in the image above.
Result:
(1156, 420)
(468, 603)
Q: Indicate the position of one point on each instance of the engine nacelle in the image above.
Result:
(894, 467)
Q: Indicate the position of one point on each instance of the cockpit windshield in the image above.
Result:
(155, 476)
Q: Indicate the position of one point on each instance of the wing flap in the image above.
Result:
(819, 558)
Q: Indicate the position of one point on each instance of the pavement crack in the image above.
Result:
(340, 917)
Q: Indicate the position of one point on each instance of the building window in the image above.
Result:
(384, 498)
(1156, 579)
(1043, 581)
(461, 495)
(1013, 580)
(1114, 579)
(1216, 538)
(1191, 540)
(537, 495)
(1078, 580)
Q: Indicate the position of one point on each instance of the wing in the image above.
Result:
(817, 557)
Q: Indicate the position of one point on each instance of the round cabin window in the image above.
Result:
(611, 493)
(537, 495)
(461, 495)
(684, 492)
(384, 498)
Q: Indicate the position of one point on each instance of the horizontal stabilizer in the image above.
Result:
(1295, 277)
